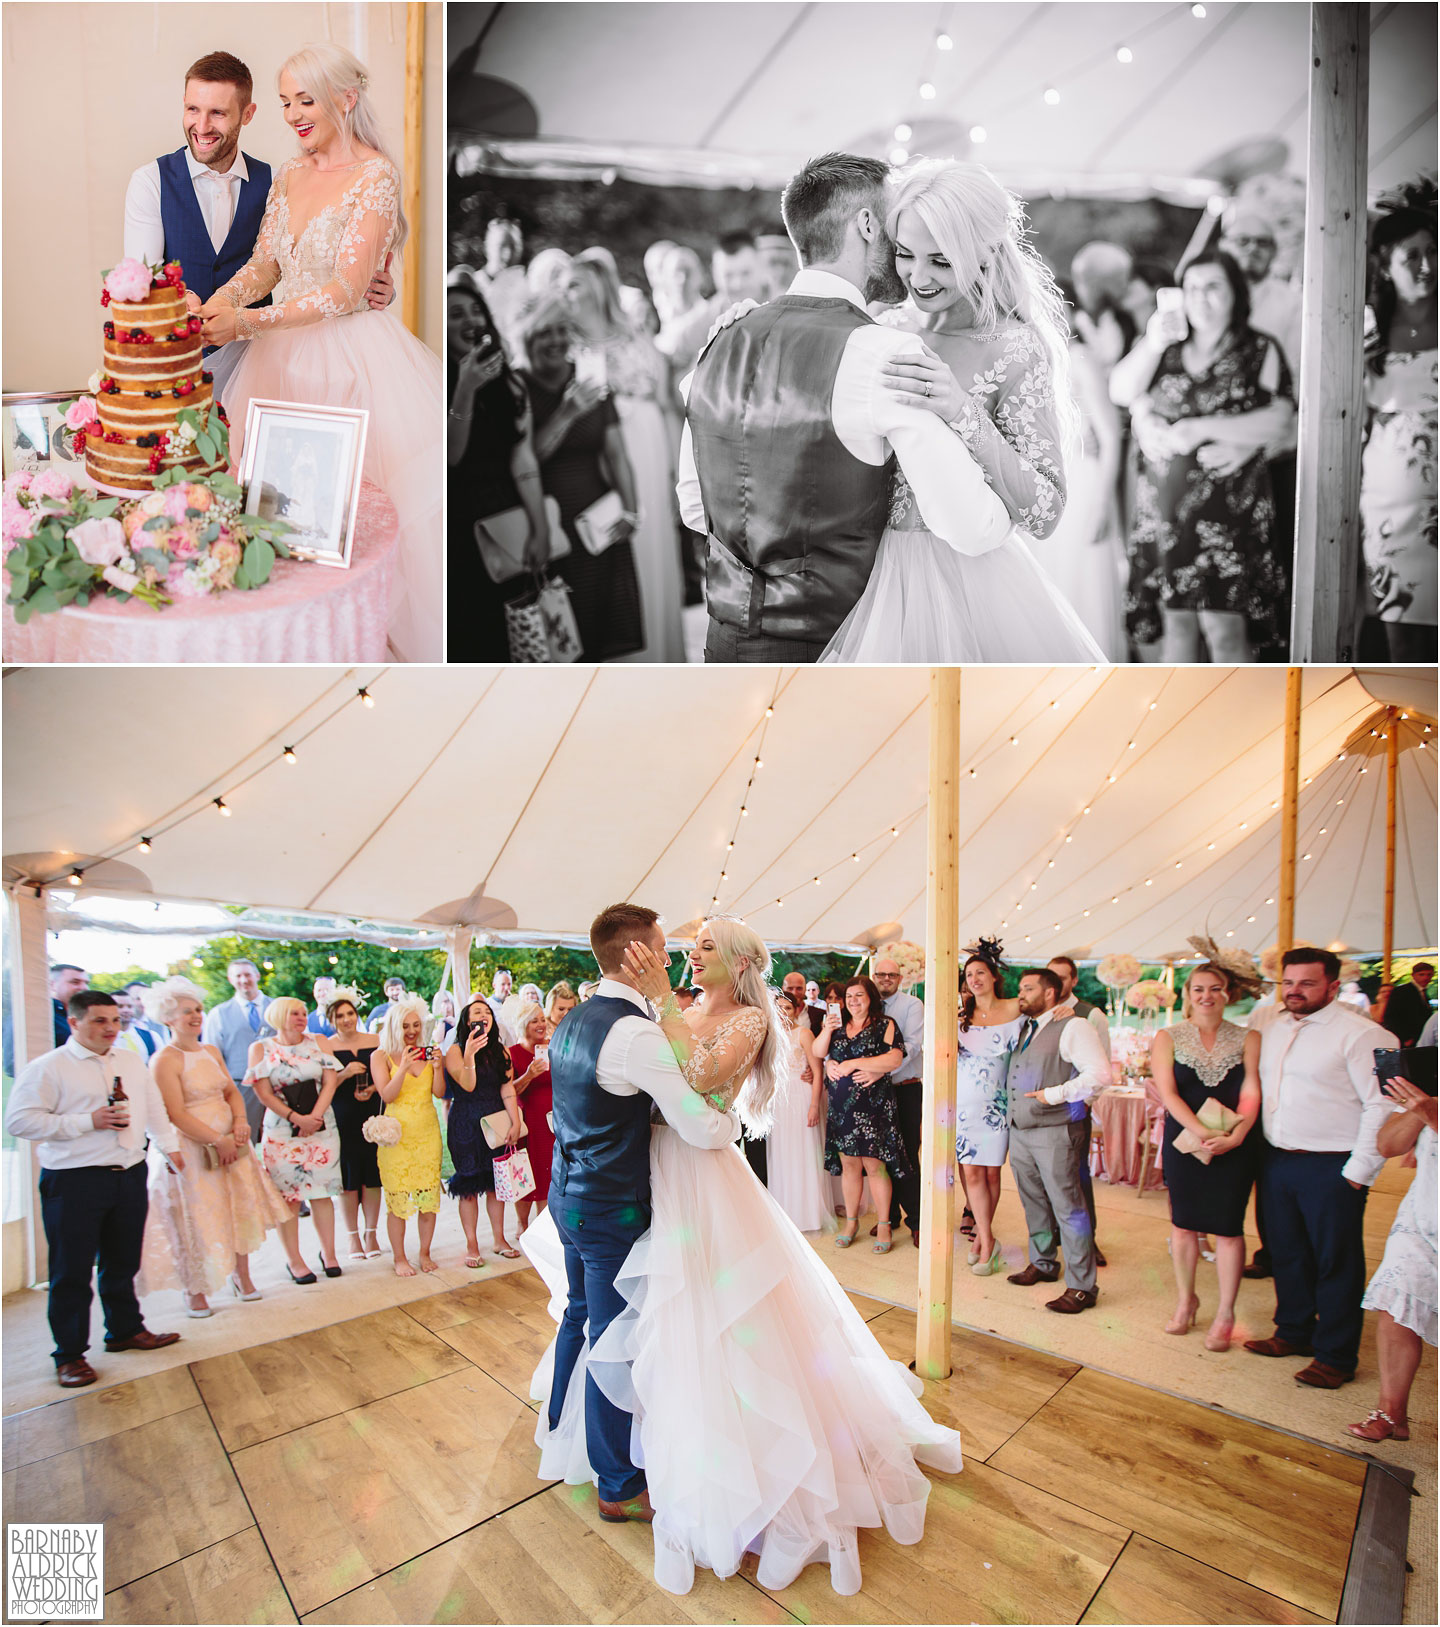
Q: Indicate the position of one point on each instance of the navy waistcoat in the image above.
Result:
(187, 239)
(602, 1142)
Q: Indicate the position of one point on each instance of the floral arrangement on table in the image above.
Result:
(1150, 996)
(382, 1130)
(65, 544)
(1130, 1053)
(1118, 971)
(909, 957)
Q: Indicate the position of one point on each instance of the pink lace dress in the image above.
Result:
(320, 343)
(200, 1219)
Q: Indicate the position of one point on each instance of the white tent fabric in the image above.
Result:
(761, 86)
(522, 800)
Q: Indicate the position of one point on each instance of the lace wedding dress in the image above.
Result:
(927, 603)
(765, 1414)
(319, 342)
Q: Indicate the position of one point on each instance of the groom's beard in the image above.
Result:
(882, 283)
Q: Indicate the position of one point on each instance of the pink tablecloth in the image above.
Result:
(1120, 1116)
(303, 613)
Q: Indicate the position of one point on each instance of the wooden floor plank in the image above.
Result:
(164, 1490)
(1266, 1508)
(232, 1582)
(993, 1389)
(1149, 1583)
(92, 1415)
(867, 1307)
(256, 1394)
(346, 1499)
(506, 1342)
(552, 1559)
(516, 1291)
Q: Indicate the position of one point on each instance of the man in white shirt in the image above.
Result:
(1070, 1004)
(1058, 1064)
(785, 458)
(609, 1061)
(93, 1200)
(233, 1027)
(908, 1014)
(1321, 1106)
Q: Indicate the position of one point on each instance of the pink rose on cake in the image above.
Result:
(129, 282)
(99, 542)
(81, 414)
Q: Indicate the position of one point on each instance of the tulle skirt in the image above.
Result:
(795, 1160)
(765, 1415)
(928, 604)
(1084, 556)
(370, 359)
(656, 544)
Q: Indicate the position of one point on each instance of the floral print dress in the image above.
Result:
(1405, 1284)
(862, 1122)
(301, 1166)
(982, 1097)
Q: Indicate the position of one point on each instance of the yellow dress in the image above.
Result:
(410, 1170)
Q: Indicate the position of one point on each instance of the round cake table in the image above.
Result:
(305, 612)
(1121, 1115)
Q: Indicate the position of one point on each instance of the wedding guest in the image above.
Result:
(91, 1150)
(560, 999)
(1101, 274)
(586, 991)
(686, 996)
(686, 315)
(501, 280)
(989, 1028)
(407, 1075)
(651, 262)
(479, 1083)
(582, 456)
(394, 990)
(795, 1157)
(812, 993)
(490, 449)
(295, 1080)
(502, 986)
(209, 1213)
(65, 980)
(442, 1019)
(531, 991)
(356, 1100)
(1057, 1065)
(809, 1017)
(1199, 1061)
(1404, 1291)
(232, 1028)
(640, 387)
(1397, 486)
(909, 1015)
(778, 265)
(156, 1033)
(1069, 974)
(1206, 396)
(530, 1074)
(1321, 1108)
(737, 269)
(862, 1137)
(546, 275)
(317, 1022)
(132, 1037)
(1404, 1008)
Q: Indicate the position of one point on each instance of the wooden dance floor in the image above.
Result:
(383, 1470)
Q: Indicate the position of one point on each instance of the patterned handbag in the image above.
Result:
(541, 626)
(514, 1178)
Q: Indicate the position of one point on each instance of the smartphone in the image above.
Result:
(542, 1053)
(1170, 303)
(1417, 1065)
(833, 1010)
(590, 368)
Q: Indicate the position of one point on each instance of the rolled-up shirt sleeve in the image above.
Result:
(1365, 1162)
(687, 484)
(32, 1115)
(1080, 1046)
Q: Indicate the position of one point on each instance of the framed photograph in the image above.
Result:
(302, 465)
(35, 432)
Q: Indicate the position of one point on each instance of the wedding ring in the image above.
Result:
(927, 386)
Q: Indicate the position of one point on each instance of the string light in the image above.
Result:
(334, 960)
(268, 965)
(903, 132)
(899, 155)
(221, 808)
(1197, 11)
(145, 844)
(943, 42)
(289, 755)
(366, 698)
(1052, 97)
(978, 134)
(1124, 54)
(75, 878)
(927, 92)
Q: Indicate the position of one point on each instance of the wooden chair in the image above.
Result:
(1152, 1132)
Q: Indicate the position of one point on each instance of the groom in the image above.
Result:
(609, 1064)
(790, 441)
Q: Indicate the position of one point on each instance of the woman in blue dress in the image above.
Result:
(989, 1027)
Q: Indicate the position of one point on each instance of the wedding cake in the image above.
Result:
(150, 374)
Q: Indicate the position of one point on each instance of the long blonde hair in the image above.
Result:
(329, 73)
(980, 227)
(734, 942)
(392, 1026)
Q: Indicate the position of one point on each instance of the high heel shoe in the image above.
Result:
(355, 1252)
(1186, 1320)
(377, 1251)
(972, 1256)
(304, 1281)
(331, 1270)
(988, 1268)
(1219, 1341)
(232, 1282)
(198, 1310)
(845, 1239)
(882, 1245)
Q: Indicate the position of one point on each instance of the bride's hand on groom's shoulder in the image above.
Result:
(923, 380)
(725, 318)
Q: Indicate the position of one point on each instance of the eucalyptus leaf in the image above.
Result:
(43, 601)
(241, 578)
(65, 595)
(224, 486)
(211, 533)
(156, 557)
(104, 509)
(82, 598)
(23, 611)
(161, 522)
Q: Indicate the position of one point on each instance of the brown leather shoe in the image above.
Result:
(1099, 1257)
(1072, 1301)
(1031, 1275)
(75, 1374)
(633, 1508)
(1323, 1376)
(1277, 1347)
(144, 1340)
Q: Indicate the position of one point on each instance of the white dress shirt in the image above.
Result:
(1080, 1046)
(1095, 1017)
(218, 196)
(908, 1014)
(951, 492)
(637, 1057)
(1318, 1089)
(56, 1094)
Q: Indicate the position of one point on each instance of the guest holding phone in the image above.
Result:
(406, 1074)
(479, 1087)
(356, 1100)
(530, 1065)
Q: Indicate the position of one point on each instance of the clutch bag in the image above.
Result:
(497, 1129)
(501, 540)
(594, 523)
(300, 1096)
(1217, 1119)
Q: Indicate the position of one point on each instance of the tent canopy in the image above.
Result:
(522, 800)
(756, 88)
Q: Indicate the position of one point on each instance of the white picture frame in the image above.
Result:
(303, 464)
(35, 434)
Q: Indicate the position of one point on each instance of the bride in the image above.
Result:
(332, 220)
(765, 1414)
(996, 372)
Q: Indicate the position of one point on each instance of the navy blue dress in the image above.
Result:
(1209, 1197)
(473, 1159)
(862, 1121)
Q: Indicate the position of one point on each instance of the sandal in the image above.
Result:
(845, 1239)
(1380, 1426)
(882, 1245)
(508, 1253)
(355, 1252)
(375, 1252)
(474, 1262)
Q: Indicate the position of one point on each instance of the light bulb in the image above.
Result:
(289, 755)
(903, 132)
(898, 156)
(220, 807)
(75, 878)
(334, 960)
(1197, 11)
(943, 42)
(366, 697)
(1124, 54)
(1052, 97)
(145, 844)
(927, 92)
(978, 134)
(268, 965)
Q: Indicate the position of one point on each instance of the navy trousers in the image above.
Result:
(1314, 1221)
(905, 1189)
(93, 1214)
(597, 1237)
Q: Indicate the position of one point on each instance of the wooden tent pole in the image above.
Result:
(1331, 386)
(414, 133)
(1289, 808)
(1392, 764)
(32, 1034)
(942, 1011)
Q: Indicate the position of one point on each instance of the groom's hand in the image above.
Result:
(382, 287)
(192, 302)
(218, 327)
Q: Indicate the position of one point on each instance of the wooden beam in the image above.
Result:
(1392, 764)
(1325, 612)
(1289, 807)
(942, 1017)
(414, 146)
